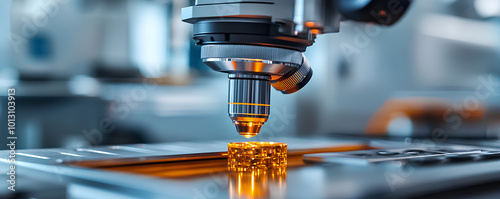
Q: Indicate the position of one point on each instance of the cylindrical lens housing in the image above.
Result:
(249, 102)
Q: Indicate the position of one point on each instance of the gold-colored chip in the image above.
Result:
(245, 156)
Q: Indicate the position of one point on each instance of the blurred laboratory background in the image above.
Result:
(101, 72)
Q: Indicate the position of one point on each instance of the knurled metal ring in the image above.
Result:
(251, 52)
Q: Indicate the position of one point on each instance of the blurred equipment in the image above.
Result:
(260, 43)
(417, 116)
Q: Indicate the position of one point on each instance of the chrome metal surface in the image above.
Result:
(322, 13)
(249, 102)
(279, 10)
(251, 52)
(295, 81)
(231, 65)
(251, 59)
(251, 69)
(248, 76)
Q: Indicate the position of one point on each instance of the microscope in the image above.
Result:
(260, 43)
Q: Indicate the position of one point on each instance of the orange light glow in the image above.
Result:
(257, 183)
(246, 156)
(255, 169)
(418, 109)
(382, 13)
(311, 24)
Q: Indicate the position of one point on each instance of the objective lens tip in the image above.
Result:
(247, 134)
(248, 129)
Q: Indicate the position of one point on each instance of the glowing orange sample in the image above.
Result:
(245, 156)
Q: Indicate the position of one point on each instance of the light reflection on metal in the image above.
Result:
(249, 102)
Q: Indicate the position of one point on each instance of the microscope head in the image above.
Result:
(260, 43)
(252, 71)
